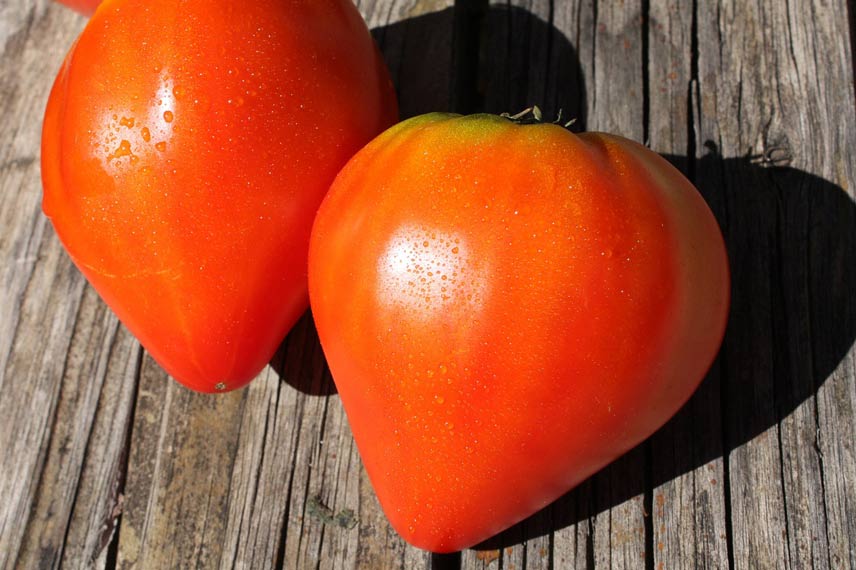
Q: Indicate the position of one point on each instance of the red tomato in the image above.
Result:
(506, 309)
(186, 148)
(85, 7)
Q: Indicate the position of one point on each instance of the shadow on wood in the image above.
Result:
(444, 61)
(299, 360)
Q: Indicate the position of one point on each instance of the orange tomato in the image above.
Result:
(186, 148)
(506, 309)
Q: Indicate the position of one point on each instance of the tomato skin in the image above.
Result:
(186, 147)
(523, 306)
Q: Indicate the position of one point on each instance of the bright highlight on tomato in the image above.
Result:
(506, 309)
(186, 148)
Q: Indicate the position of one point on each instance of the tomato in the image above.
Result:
(186, 148)
(85, 7)
(507, 308)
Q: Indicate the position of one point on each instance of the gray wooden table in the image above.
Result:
(107, 463)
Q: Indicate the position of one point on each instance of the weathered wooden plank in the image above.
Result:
(617, 90)
(73, 516)
(66, 368)
(181, 457)
(730, 115)
(793, 102)
(816, 66)
(687, 509)
(91, 530)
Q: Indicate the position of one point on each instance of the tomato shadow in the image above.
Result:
(478, 57)
(299, 360)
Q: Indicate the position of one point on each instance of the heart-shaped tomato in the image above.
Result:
(186, 148)
(506, 309)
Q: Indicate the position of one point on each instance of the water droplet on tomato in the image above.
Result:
(144, 132)
(203, 103)
(161, 146)
(168, 116)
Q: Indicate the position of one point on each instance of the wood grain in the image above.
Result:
(63, 361)
(687, 505)
(107, 463)
(777, 104)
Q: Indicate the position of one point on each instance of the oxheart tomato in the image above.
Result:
(186, 148)
(506, 309)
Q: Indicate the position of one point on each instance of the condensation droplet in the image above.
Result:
(168, 116)
(161, 146)
(124, 149)
(144, 132)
